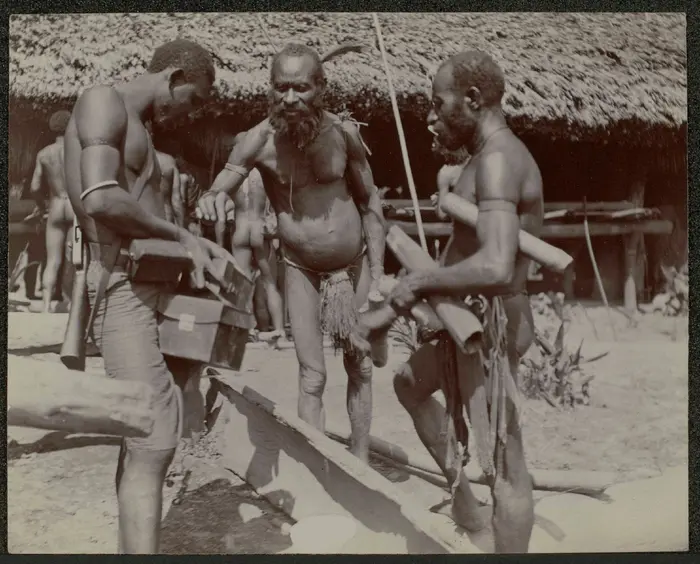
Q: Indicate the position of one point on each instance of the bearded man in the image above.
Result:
(504, 181)
(330, 224)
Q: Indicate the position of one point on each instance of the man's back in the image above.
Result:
(51, 160)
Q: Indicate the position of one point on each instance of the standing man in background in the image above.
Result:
(49, 180)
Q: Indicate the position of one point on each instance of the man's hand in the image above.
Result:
(214, 206)
(202, 252)
(406, 292)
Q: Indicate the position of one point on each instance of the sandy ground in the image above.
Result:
(60, 487)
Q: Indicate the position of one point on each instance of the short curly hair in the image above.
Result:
(299, 50)
(59, 121)
(187, 55)
(476, 69)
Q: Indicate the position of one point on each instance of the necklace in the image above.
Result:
(483, 143)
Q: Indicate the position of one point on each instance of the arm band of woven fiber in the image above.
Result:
(98, 186)
(243, 171)
(497, 205)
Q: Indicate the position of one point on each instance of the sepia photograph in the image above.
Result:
(384, 283)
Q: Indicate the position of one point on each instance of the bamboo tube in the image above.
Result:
(547, 255)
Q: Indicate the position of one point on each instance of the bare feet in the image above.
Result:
(476, 524)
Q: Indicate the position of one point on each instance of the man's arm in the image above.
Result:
(444, 181)
(37, 185)
(497, 229)
(367, 200)
(168, 172)
(176, 200)
(101, 121)
(241, 160)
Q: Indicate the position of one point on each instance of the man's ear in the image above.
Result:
(176, 77)
(473, 98)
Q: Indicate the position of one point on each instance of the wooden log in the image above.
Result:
(558, 231)
(547, 255)
(46, 395)
(548, 206)
(458, 319)
(572, 481)
(304, 473)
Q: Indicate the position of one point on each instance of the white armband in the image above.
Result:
(238, 169)
(98, 186)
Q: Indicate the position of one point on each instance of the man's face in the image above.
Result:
(453, 123)
(294, 94)
(176, 97)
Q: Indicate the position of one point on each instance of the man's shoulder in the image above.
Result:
(101, 94)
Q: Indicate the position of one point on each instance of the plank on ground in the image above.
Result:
(300, 470)
(46, 395)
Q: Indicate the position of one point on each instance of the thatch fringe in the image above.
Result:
(588, 71)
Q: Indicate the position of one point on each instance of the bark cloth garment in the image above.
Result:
(337, 310)
(490, 385)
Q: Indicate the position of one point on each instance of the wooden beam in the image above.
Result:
(548, 206)
(46, 395)
(558, 231)
(304, 473)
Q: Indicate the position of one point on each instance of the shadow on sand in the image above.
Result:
(210, 520)
(58, 440)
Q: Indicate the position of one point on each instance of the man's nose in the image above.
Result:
(290, 98)
(432, 117)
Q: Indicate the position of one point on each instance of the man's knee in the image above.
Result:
(404, 386)
(358, 367)
(312, 382)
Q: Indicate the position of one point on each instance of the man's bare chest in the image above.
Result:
(139, 158)
(465, 184)
(322, 162)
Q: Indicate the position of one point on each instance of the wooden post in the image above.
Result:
(634, 251)
(46, 395)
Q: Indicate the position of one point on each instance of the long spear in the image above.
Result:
(402, 139)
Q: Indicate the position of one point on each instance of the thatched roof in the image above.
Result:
(568, 75)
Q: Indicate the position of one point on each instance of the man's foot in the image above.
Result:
(475, 524)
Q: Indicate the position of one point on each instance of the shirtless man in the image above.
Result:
(169, 184)
(329, 218)
(48, 173)
(504, 181)
(249, 244)
(107, 151)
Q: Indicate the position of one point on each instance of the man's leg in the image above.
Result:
(513, 505)
(359, 370)
(415, 382)
(127, 335)
(303, 293)
(261, 252)
(56, 231)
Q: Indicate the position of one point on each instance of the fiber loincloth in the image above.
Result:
(338, 311)
(489, 385)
